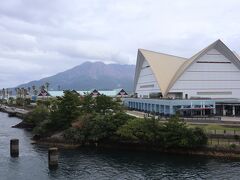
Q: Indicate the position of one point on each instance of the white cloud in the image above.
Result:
(42, 37)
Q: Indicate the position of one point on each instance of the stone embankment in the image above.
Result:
(16, 112)
(13, 111)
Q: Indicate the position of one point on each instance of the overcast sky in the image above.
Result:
(39, 38)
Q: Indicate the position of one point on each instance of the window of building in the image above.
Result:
(147, 86)
(215, 93)
(214, 62)
(145, 67)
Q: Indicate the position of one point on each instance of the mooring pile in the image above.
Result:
(52, 153)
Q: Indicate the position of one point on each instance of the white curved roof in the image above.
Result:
(163, 66)
(168, 68)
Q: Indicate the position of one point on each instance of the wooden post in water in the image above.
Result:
(14, 147)
(53, 157)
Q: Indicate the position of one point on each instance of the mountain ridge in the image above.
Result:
(90, 75)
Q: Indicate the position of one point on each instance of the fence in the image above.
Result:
(224, 132)
(223, 141)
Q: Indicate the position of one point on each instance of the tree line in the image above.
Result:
(101, 119)
(22, 92)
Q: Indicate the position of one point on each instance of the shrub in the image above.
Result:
(233, 146)
(197, 137)
(19, 101)
(45, 102)
(38, 115)
(96, 126)
(73, 135)
(141, 130)
(236, 137)
(173, 133)
(177, 134)
(10, 101)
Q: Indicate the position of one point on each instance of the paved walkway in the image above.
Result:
(13, 109)
(137, 114)
(224, 119)
(232, 119)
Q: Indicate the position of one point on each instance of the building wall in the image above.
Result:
(212, 75)
(146, 83)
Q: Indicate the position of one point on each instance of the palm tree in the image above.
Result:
(0, 93)
(34, 90)
(7, 92)
(19, 92)
(33, 87)
(47, 86)
(29, 90)
(22, 92)
(10, 93)
(42, 87)
(3, 93)
(16, 91)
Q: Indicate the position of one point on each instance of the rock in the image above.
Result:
(33, 142)
(23, 125)
(36, 137)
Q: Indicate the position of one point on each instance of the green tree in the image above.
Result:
(10, 101)
(47, 85)
(172, 134)
(177, 134)
(96, 127)
(87, 104)
(66, 110)
(141, 130)
(197, 137)
(103, 103)
(19, 101)
(37, 116)
(107, 104)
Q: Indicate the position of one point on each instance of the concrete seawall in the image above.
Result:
(13, 111)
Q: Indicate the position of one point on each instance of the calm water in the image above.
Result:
(96, 164)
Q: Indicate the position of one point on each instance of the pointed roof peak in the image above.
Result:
(160, 63)
(146, 50)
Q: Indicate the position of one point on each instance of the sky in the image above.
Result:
(39, 38)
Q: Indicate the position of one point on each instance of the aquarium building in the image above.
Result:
(206, 83)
